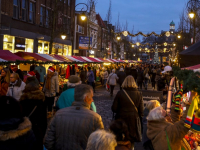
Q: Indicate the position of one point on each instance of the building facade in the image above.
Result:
(37, 25)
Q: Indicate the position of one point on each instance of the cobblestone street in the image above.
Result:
(103, 102)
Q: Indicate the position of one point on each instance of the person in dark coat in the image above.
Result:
(127, 70)
(133, 72)
(153, 77)
(145, 140)
(32, 101)
(15, 130)
(20, 73)
(126, 111)
(140, 77)
(83, 76)
(122, 75)
(120, 130)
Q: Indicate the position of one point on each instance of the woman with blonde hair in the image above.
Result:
(145, 140)
(4, 81)
(128, 106)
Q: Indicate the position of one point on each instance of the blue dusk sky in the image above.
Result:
(145, 15)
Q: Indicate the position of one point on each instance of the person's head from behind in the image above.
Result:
(9, 108)
(129, 82)
(157, 114)
(101, 140)
(113, 71)
(89, 68)
(14, 77)
(152, 104)
(5, 73)
(83, 93)
(120, 130)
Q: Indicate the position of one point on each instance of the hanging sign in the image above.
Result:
(84, 42)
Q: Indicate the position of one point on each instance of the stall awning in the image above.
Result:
(94, 60)
(2, 60)
(48, 57)
(110, 60)
(104, 60)
(61, 58)
(121, 61)
(98, 59)
(73, 59)
(7, 55)
(31, 56)
(193, 67)
(79, 58)
(86, 59)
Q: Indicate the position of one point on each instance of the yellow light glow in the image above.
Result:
(138, 43)
(5, 39)
(191, 15)
(133, 45)
(140, 49)
(106, 64)
(165, 44)
(174, 44)
(118, 38)
(179, 36)
(83, 17)
(63, 36)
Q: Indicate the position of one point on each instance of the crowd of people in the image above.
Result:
(26, 109)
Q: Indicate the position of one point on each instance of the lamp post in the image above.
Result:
(192, 17)
(63, 36)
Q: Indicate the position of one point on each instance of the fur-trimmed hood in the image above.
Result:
(73, 85)
(35, 95)
(22, 129)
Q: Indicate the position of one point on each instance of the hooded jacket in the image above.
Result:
(16, 134)
(54, 86)
(29, 100)
(156, 131)
(16, 90)
(71, 127)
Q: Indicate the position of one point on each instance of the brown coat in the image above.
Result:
(156, 132)
(3, 88)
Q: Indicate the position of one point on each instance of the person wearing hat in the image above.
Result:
(15, 130)
(122, 75)
(51, 88)
(67, 97)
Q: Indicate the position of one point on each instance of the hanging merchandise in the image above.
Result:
(193, 116)
(24, 67)
(68, 72)
(177, 98)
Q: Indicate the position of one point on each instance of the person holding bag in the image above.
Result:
(128, 106)
(112, 81)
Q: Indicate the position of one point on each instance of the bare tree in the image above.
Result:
(109, 13)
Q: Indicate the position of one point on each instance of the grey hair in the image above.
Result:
(155, 114)
(81, 91)
(129, 82)
(113, 71)
(101, 140)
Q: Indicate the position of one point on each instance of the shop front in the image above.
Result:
(16, 44)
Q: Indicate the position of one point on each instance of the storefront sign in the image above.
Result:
(84, 42)
(20, 43)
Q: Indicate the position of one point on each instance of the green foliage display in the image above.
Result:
(189, 78)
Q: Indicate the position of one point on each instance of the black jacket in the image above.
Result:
(122, 76)
(29, 100)
(140, 76)
(161, 84)
(83, 76)
(16, 134)
(127, 71)
(125, 110)
(133, 72)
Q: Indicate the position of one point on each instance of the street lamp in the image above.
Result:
(118, 38)
(191, 15)
(179, 36)
(133, 45)
(138, 43)
(174, 44)
(63, 36)
(83, 17)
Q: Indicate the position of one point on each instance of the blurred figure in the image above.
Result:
(16, 86)
(15, 131)
(133, 72)
(51, 88)
(140, 78)
(125, 110)
(146, 77)
(153, 82)
(122, 75)
(101, 140)
(120, 130)
(145, 140)
(104, 76)
(90, 78)
(20, 73)
(71, 127)
(83, 75)
(4, 81)
(112, 81)
(32, 101)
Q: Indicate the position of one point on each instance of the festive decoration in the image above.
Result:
(125, 33)
(167, 34)
(188, 78)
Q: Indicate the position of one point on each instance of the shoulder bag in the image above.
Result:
(138, 130)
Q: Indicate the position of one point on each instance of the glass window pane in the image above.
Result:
(23, 3)
(31, 6)
(15, 2)
(41, 11)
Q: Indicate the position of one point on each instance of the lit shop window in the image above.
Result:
(43, 47)
(29, 45)
(8, 43)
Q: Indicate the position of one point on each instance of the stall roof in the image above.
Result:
(86, 59)
(93, 60)
(98, 59)
(31, 56)
(2, 60)
(62, 58)
(104, 60)
(193, 67)
(73, 59)
(79, 58)
(48, 57)
(110, 60)
(7, 55)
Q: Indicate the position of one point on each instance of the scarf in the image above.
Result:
(48, 80)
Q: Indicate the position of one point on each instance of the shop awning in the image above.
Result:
(31, 56)
(110, 60)
(98, 59)
(193, 67)
(2, 60)
(86, 59)
(94, 60)
(7, 55)
(121, 61)
(48, 57)
(79, 58)
(104, 60)
(73, 59)
(61, 58)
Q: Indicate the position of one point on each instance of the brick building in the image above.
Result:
(37, 25)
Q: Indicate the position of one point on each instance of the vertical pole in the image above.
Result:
(75, 35)
(88, 26)
(0, 13)
(194, 38)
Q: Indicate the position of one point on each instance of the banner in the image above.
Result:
(84, 42)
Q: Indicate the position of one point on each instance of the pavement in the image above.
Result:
(103, 102)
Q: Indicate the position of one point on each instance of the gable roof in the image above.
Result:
(100, 21)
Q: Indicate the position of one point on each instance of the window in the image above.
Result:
(69, 2)
(15, 9)
(80, 29)
(42, 16)
(31, 12)
(24, 10)
(47, 17)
